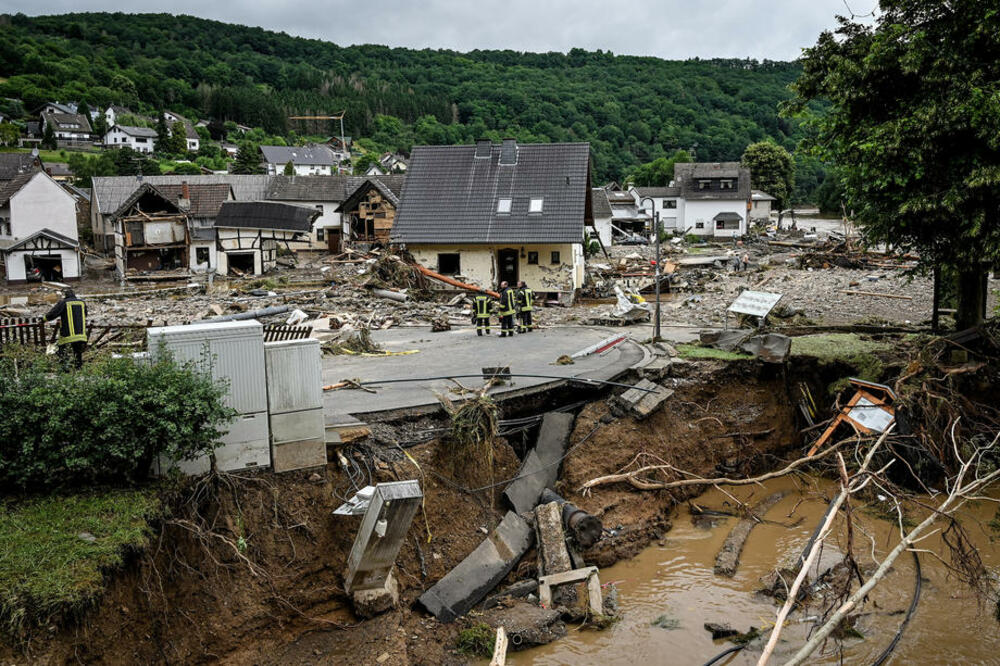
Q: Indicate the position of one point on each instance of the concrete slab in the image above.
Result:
(540, 468)
(641, 403)
(465, 586)
(462, 352)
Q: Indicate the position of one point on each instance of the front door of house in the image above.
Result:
(507, 266)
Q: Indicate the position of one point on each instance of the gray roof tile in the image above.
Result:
(311, 155)
(687, 175)
(450, 196)
(599, 202)
(110, 192)
(266, 215)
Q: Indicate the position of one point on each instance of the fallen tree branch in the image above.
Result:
(634, 477)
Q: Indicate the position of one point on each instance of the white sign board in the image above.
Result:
(756, 303)
(874, 417)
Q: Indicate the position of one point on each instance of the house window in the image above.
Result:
(141, 140)
(670, 203)
(449, 264)
(535, 206)
(727, 224)
(319, 207)
(503, 205)
(699, 225)
(319, 234)
(704, 184)
(726, 185)
(533, 258)
(555, 258)
(201, 255)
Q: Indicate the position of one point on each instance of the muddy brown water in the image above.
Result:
(674, 581)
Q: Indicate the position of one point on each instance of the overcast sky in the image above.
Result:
(673, 29)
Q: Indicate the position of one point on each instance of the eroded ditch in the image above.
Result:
(188, 600)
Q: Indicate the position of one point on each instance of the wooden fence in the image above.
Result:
(22, 330)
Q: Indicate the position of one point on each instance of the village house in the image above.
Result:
(321, 193)
(601, 209)
(38, 232)
(628, 221)
(374, 170)
(110, 192)
(393, 163)
(141, 139)
(341, 148)
(488, 213)
(112, 113)
(370, 209)
(665, 201)
(760, 205)
(70, 129)
(249, 234)
(714, 198)
(193, 141)
(310, 160)
(15, 164)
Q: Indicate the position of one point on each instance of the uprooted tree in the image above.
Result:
(915, 129)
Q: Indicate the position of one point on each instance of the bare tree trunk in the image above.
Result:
(971, 297)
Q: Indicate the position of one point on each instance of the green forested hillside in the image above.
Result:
(631, 109)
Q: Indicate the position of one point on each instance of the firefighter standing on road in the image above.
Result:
(525, 301)
(481, 306)
(72, 315)
(508, 308)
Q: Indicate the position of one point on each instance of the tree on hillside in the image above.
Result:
(9, 134)
(289, 168)
(362, 163)
(178, 138)
(83, 109)
(772, 170)
(162, 133)
(659, 172)
(247, 159)
(49, 137)
(915, 129)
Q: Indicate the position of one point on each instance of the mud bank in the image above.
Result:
(195, 597)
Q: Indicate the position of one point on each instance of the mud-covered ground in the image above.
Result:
(191, 598)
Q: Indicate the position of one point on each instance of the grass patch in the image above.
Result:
(477, 641)
(696, 351)
(47, 570)
(847, 348)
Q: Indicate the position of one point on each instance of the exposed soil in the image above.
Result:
(193, 599)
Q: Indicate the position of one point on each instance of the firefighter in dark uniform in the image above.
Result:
(481, 306)
(72, 315)
(525, 301)
(508, 308)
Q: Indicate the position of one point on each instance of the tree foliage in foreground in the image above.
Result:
(915, 128)
(103, 424)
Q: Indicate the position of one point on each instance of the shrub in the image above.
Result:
(105, 423)
(477, 641)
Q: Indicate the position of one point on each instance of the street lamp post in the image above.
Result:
(656, 232)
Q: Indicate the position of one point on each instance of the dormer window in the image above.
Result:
(503, 205)
(535, 206)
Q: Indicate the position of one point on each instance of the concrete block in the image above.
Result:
(553, 557)
(468, 583)
(640, 403)
(381, 534)
(375, 601)
(541, 466)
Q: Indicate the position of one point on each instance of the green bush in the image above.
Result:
(105, 423)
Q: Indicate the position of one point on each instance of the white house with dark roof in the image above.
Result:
(494, 212)
(249, 233)
(193, 141)
(716, 198)
(38, 232)
(323, 194)
(310, 160)
(142, 139)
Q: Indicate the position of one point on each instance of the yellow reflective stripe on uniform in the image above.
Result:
(509, 304)
(529, 297)
(74, 335)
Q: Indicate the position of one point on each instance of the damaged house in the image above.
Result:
(370, 209)
(198, 228)
(38, 233)
(492, 212)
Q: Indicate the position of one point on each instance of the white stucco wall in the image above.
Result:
(42, 204)
(300, 170)
(328, 219)
(669, 217)
(193, 254)
(70, 263)
(479, 264)
(603, 227)
(116, 138)
(703, 211)
(761, 209)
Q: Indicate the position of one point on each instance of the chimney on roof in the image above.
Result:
(184, 200)
(483, 147)
(508, 152)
